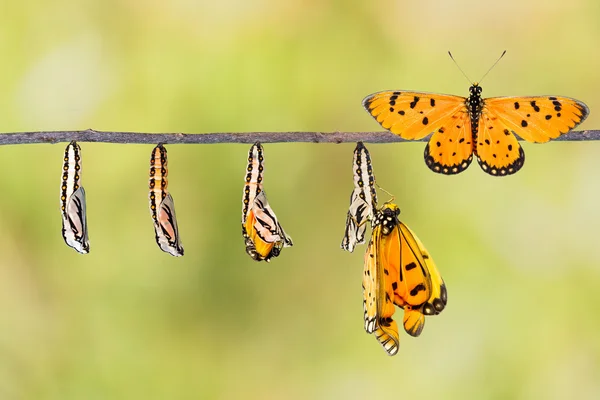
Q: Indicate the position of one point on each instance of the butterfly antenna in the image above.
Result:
(459, 68)
(499, 58)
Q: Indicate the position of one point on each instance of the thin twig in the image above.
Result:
(91, 135)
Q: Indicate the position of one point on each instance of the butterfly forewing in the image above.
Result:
(438, 296)
(162, 208)
(413, 115)
(363, 200)
(73, 204)
(536, 119)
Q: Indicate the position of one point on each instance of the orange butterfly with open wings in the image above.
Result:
(462, 127)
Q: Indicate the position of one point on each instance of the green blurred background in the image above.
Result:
(519, 254)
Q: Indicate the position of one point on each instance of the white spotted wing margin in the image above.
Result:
(72, 200)
(166, 230)
(363, 199)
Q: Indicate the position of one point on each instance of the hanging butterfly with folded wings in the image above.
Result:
(363, 199)
(462, 127)
(263, 235)
(162, 207)
(72, 201)
(398, 271)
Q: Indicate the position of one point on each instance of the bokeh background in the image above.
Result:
(520, 254)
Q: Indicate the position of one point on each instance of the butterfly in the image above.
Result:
(263, 235)
(398, 271)
(462, 127)
(72, 201)
(162, 207)
(363, 199)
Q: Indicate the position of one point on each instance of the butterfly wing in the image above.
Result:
(536, 119)
(438, 298)
(450, 148)
(165, 227)
(369, 284)
(421, 290)
(75, 222)
(378, 296)
(413, 115)
(414, 321)
(363, 200)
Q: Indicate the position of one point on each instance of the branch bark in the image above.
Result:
(91, 135)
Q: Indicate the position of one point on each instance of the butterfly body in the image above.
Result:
(462, 127)
(398, 271)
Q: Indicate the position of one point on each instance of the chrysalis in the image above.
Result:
(363, 200)
(263, 235)
(72, 201)
(162, 207)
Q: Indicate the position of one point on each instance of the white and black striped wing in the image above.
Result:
(75, 222)
(165, 227)
(266, 224)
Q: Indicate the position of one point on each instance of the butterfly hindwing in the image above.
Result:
(450, 148)
(498, 151)
(414, 321)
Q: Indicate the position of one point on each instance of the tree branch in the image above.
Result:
(91, 135)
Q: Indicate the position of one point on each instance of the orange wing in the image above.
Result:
(536, 119)
(439, 296)
(414, 115)
(450, 148)
(421, 290)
